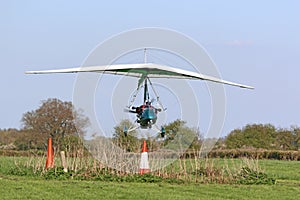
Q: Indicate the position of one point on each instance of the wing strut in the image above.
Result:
(133, 97)
(156, 95)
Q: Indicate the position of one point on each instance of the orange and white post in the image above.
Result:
(50, 156)
(144, 164)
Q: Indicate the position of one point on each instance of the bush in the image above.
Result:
(57, 173)
(249, 177)
(21, 171)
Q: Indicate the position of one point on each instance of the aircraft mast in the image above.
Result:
(145, 55)
(146, 94)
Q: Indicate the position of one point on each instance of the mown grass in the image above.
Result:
(33, 188)
(282, 170)
(286, 173)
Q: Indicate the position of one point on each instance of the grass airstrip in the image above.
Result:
(22, 186)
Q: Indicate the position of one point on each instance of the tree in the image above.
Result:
(234, 139)
(296, 137)
(25, 140)
(130, 142)
(264, 136)
(56, 119)
(178, 135)
(284, 139)
(20, 140)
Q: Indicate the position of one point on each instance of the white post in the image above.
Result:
(63, 161)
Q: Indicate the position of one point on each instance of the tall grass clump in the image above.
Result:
(105, 162)
(83, 166)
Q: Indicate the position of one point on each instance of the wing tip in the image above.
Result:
(33, 72)
(247, 87)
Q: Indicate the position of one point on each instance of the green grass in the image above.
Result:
(287, 174)
(29, 188)
(282, 170)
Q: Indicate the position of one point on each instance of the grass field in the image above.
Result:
(287, 174)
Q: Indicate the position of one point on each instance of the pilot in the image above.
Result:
(138, 109)
(148, 104)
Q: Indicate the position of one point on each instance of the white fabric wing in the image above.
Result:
(138, 70)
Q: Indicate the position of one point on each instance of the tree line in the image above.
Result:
(263, 136)
(61, 121)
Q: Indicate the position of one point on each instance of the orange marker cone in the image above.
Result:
(50, 156)
(144, 164)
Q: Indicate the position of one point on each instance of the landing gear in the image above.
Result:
(162, 132)
(125, 130)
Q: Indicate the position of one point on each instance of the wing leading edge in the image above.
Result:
(147, 69)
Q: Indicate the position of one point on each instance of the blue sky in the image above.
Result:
(254, 42)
